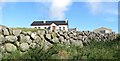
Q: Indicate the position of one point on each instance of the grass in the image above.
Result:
(27, 29)
(95, 50)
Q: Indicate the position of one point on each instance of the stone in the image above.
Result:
(33, 35)
(33, 45)
(10, 47)
(1, 28)
(2, 49)
(22, 38)
(71, 35)
(55, 40)
(48, 36)
(29, 32)
(2, 39)
(43, 32)
(25, 39)
(37, 40)
(60, 32)
(11, 38)
(16, 32)
(77, 43)
(75, 34)
(47, 45)
(24, 46)
(61, 38)
(17, 43)
(10, 31)
(5, 31)
(54, 34)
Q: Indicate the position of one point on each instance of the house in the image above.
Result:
(103, 30)
(72, 29)
(51, 25)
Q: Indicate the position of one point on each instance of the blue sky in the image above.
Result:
(83, 15)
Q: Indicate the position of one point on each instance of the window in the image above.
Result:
(59, 28)
(39, 27)
(45, 28)
(63, 28)
(35, 27)
(102, 31)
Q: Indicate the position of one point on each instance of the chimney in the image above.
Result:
(66, 20)
(44, 21)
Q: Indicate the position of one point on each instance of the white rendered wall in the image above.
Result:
(66, 27)
(56, 27)
(107, 31)
(41, 27)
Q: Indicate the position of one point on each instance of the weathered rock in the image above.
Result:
(29, 32)
(10, 47)
(27, 39)
(22, 38)
(2, 39)
(37, 40)
(47, 45)
(54, 34)
(71, 35)
(16, 32)
(33, 45)
(43, 32)
(2, 49)
(5, 31)
(48, 36)
(1, 27)
(55, 40)
(11, 38)
(33, 35)
(24, 46)
(61, 38)
(17, 43)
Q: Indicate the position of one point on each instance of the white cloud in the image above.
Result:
(59, 7)
(99, 7)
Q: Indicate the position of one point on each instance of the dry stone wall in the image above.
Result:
(12, 40)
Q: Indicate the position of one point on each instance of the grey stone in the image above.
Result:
(33, 45)
(29, 32)
(47, 45)
(55, 40)
(11, 38)
(71, 35)
(61, 38)
(1, 28)
(37, 40)
(48, 36)
(2, 39)
(22, 38)
(43, 32)
(17, 43)
(16, 32)
(24, 46)
(10, 47)
(2, 49)
(5, 31)
(33, 35)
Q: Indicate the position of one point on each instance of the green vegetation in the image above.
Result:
(94, 50)
(27, 29)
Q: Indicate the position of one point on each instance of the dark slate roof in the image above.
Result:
(38, 23)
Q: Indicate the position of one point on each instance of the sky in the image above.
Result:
(83, 14)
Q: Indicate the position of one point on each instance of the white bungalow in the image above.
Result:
(51, 25)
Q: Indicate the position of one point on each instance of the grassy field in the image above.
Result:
(26, 29)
